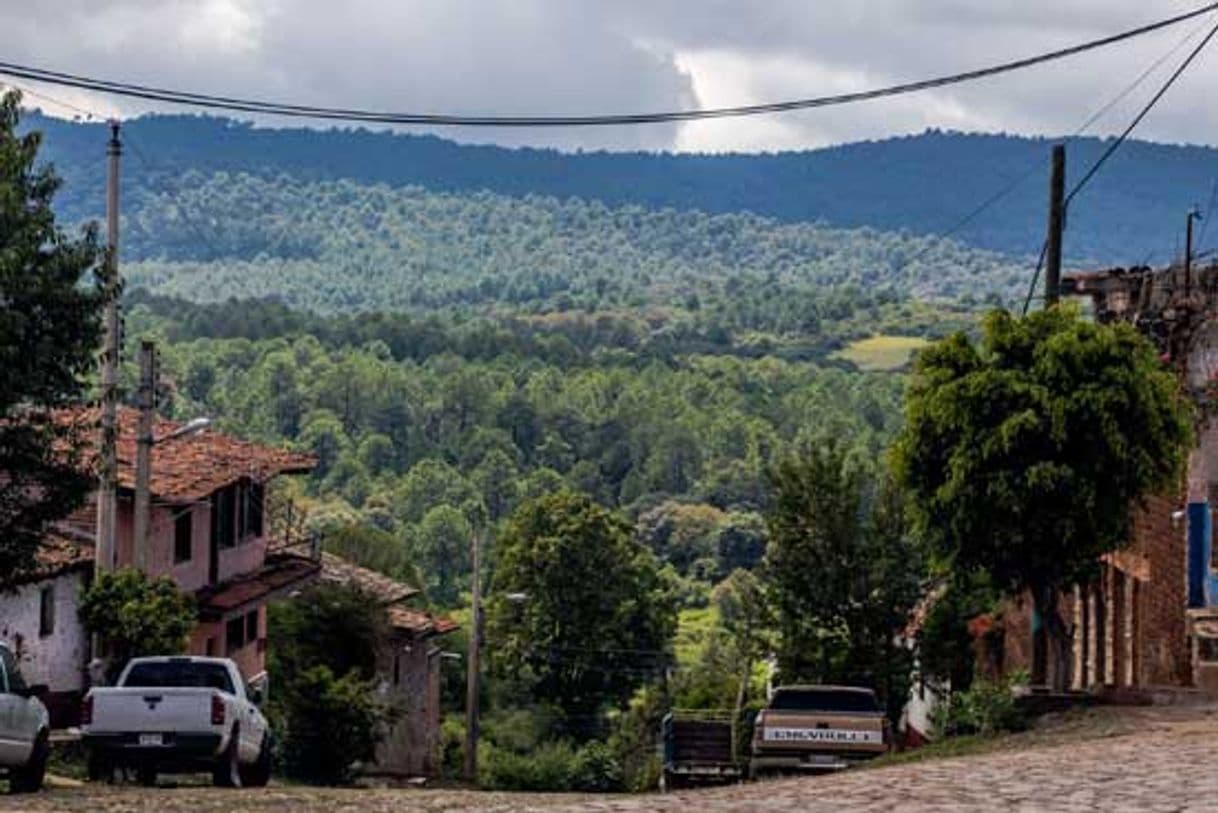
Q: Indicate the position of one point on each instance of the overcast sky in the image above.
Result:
(593, 56)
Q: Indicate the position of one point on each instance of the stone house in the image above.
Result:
(208, 532)
(408, 669)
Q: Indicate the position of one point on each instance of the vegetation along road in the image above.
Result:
(1141, 760)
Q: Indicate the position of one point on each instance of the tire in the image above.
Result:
(227, 773)
(146, 775)
(258, 774)
(28, 778)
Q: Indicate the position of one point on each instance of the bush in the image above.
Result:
(987, 708)
(552, 766)
(332, 723)
(136, 616)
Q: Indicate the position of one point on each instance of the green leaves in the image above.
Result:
(136, 616)
(1023, 454)
(591, 619)
(49, 329)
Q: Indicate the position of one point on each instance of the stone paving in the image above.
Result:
(1157, 765)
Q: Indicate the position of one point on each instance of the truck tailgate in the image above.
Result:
(151, 710)
(810, 731)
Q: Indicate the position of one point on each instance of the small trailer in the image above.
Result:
(698, 749)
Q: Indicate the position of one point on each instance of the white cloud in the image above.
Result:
(584, 56)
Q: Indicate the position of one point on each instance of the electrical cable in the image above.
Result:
(1116, 145)
(216, 102)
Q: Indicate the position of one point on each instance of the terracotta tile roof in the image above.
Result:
(188, 467)
(386, 591)
(278, 575)
(61, 550)
(420, 623)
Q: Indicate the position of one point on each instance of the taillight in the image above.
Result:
(217, 710)
(86, 710)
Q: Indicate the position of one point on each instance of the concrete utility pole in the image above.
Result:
(143, 455)
(111, 353)
(473, 675)
(1057, 225)
(1193, 215)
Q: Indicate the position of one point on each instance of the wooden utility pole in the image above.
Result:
(107, 453)
(143, 454)
(1188, 250)
(1057, 224)
(473, 665)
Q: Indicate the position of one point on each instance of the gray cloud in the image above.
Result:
(583, 56)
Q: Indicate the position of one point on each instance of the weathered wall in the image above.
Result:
(409, 748)
(1163, 656)
(59, 659)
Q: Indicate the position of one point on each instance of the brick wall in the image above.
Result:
(1161, 634)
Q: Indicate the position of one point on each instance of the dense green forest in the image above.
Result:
(922, 184)
(340, 246)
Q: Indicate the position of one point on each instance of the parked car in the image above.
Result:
(178, 714)
(25, 728)
(818, 728)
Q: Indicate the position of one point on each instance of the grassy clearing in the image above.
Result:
(881, 353)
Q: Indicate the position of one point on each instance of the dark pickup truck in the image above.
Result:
(698, 749)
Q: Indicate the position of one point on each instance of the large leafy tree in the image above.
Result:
(843, 573)
(49, 330)
(1025, 453)
(596, 617)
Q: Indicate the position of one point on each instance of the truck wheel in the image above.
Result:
(259, 774)
(227, 773)
(146, 775)
(28, 778)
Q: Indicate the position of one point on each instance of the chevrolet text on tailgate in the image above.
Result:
(178, 714)
(817, 728)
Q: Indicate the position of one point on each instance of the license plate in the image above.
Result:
(152, 739)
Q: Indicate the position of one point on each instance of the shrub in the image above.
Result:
(986, 708)
(552, 766)
(332, 723)
(136, 616)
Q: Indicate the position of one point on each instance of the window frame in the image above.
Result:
(46, 611)
(184, 520)
(237, 623)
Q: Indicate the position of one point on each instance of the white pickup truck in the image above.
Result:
(24, 728)
(178, 714)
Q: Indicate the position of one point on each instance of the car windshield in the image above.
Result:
(832, 700)
(179, 674)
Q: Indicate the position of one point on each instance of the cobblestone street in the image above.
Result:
(1157, 764)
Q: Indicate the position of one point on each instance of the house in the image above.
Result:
(209, 532)
(1150, 620)
(408, 669)
(38, 619)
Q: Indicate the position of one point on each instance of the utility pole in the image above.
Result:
(143, 454)
(1193, 215)
(473, 675)
(1057, 224)
(107, 453)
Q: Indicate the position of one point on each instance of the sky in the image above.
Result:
(600, 56)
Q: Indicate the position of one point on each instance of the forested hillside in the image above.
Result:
(340, 246)
(922, 184)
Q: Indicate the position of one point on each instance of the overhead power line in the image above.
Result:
(233, 104)
(1094, 169)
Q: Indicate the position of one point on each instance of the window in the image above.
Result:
(183, 544)
(223, 521)
(1207, 649)
(210, 648)
(257, 498)
(178, 673)
(249, 496)
(234, 635)
(46, 611)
